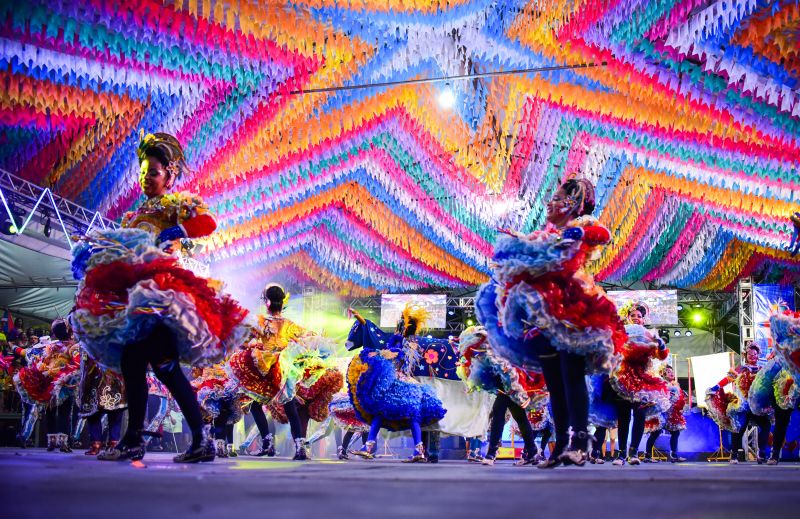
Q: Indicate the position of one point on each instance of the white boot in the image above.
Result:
(220, 449)
(300, 453)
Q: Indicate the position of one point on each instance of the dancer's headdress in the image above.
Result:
(164, 147)
(416, 313)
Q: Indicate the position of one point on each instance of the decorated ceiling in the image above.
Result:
(329, 164)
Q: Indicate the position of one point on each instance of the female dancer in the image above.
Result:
(635, 386)
(271, 367)
(222, 404)
(482, 369)
(673, 420)
(732, 411)
(380, 384)
(138, 307)
(48, 382)
(543, 311)
(320, 382)
(774, 387)
(100, 392)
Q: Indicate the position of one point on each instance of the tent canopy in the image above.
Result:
(33, 284)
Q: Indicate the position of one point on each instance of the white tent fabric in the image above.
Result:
(32, 284)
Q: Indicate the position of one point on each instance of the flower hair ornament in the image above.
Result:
(580, 192)
(270, 285)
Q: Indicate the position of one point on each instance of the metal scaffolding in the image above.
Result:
(57, 219)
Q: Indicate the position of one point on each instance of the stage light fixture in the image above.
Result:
(47, 229)
(688, 333)
(680, 307)
(677, 333)
(7, 225)
(470, 321)
(698, 317)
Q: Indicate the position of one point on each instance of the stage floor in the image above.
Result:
(36, 484)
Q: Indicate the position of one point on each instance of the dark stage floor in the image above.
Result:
(37, 484)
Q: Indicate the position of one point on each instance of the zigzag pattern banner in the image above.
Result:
(685, 114)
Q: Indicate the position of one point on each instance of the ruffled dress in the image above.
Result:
(729, 409)
(216, 392)
(344, 414)
(260, 370)
(129, 286)
(319, 380)
(379, 381)
(286, 362)
(539, 286)
(775, 384)
(50, 378)
(482, 369)
(674, 418)
(635, 379)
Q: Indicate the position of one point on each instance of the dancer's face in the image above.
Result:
(752, 356)
(560, 208)
(669, 374)
(154, 178)
(635, 317)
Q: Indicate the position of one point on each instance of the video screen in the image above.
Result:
(392, 307)
(662, 304)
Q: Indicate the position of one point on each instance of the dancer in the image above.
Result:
(672, 421)
(515, 389)
(380, 385)
(269, 370)
(160, 405)
(732, 411)
(48, 383)
(222, 404)
(774, 388)
(100, 393)
(543, 311)
(30, 409)
(321, 381)
(635, 384)
(136, 306)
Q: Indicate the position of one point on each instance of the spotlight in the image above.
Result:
(688, 333)
(698, 317)
(677, 333)
(470, 321)
(447, 98)
(47, 229)
(697, 305)
(450, 312)
(7, 224)
(680, 307)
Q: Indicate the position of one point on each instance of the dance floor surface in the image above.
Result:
(54, 485)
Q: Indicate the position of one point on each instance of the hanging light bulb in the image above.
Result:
(447, 98)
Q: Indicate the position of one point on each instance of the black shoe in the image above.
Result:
(203, 453)
(526, 458)
(267, 446)
(123, 451)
